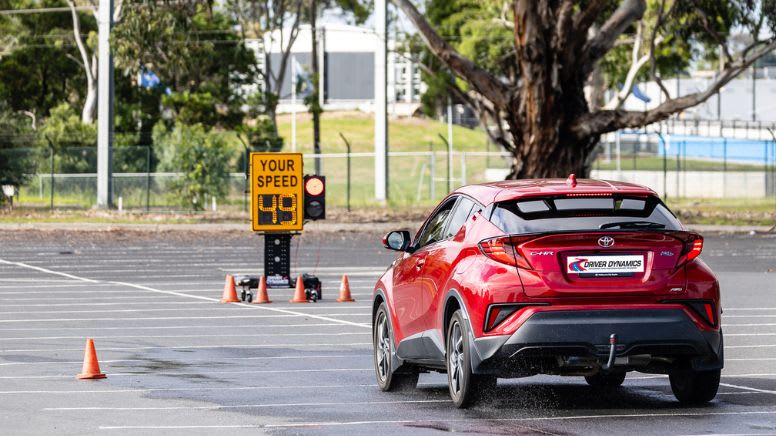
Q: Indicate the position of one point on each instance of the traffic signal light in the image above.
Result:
(314, 197)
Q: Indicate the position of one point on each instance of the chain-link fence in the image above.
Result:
(67, 178)
(674, 165)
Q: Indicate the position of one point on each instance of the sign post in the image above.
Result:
(277, 210)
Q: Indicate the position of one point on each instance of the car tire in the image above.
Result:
(695, 387)
(465, 387)
(388, 378)
(606, 380)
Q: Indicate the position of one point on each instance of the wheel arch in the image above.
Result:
(453, 302)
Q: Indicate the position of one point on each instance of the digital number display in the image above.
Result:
(277, 209)
(276, 192)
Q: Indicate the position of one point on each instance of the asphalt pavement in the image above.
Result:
(178, 362)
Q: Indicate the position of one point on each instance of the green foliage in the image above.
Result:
(74, 143)
(260, 136)
(17, 157)
(40, 69)
(204, 159)
(197, 54)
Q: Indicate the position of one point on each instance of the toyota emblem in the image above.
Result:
(606, 241)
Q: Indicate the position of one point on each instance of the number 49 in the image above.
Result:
(277, 205)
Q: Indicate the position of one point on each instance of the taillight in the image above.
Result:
(504, 249)
(706, 310)
(499, 249)
(693, 246)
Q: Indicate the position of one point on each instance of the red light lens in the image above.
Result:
(695, 249)
(504, 249)
(314, 186)
(710, 313)
(499, 250)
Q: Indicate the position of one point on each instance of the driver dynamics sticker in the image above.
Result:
(604, 264)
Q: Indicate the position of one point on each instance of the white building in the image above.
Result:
(346, 59)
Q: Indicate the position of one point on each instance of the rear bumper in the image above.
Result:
(577, 341)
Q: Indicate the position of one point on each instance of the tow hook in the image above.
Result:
(612, 350)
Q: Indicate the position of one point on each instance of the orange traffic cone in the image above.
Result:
(299, 295)
(230, 293)
(344, 296)
(91, 368)
(261, 294)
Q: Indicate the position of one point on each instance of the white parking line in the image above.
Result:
(208, 361)
(205, 373)
(747, 388)
(230, 335)
(749, 359)
(187, 347)
(47, 271)
(25, 280)
(748, 308)
(169, 327)
(248, 306)
(728, 347)
(608, 416)
(69, 284)
(216, 388)
(740, 334)
(123, 303)
(245, 406)
(769, 324)
(177, 318)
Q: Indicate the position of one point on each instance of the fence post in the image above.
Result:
(245, 179)
(432, 182)
(724, 155)
(148, 178)
(347, 145)
(463, 168)
(51, 175)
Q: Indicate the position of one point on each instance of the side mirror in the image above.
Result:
(398, 241)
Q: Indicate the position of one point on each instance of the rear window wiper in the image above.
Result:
(633, 225)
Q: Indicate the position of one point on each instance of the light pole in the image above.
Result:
(104, 106)
(381, 101)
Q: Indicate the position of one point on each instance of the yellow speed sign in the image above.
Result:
(277, 201)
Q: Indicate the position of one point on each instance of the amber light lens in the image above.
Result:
(313, 186)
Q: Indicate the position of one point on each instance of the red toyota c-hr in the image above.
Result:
(517, 278)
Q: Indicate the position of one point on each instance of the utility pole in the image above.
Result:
(315, 105)
(104, 106)
(381, 101)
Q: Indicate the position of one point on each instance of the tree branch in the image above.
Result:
(637, 63)
(586, 17)
(480, 79)
(600, 122)
(79, 42)
(628, 12)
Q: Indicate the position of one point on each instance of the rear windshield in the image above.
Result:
(549, 214)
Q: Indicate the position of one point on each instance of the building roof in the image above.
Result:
(491, 192)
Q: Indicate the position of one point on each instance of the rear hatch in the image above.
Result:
(595, 246)
(576, 264)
